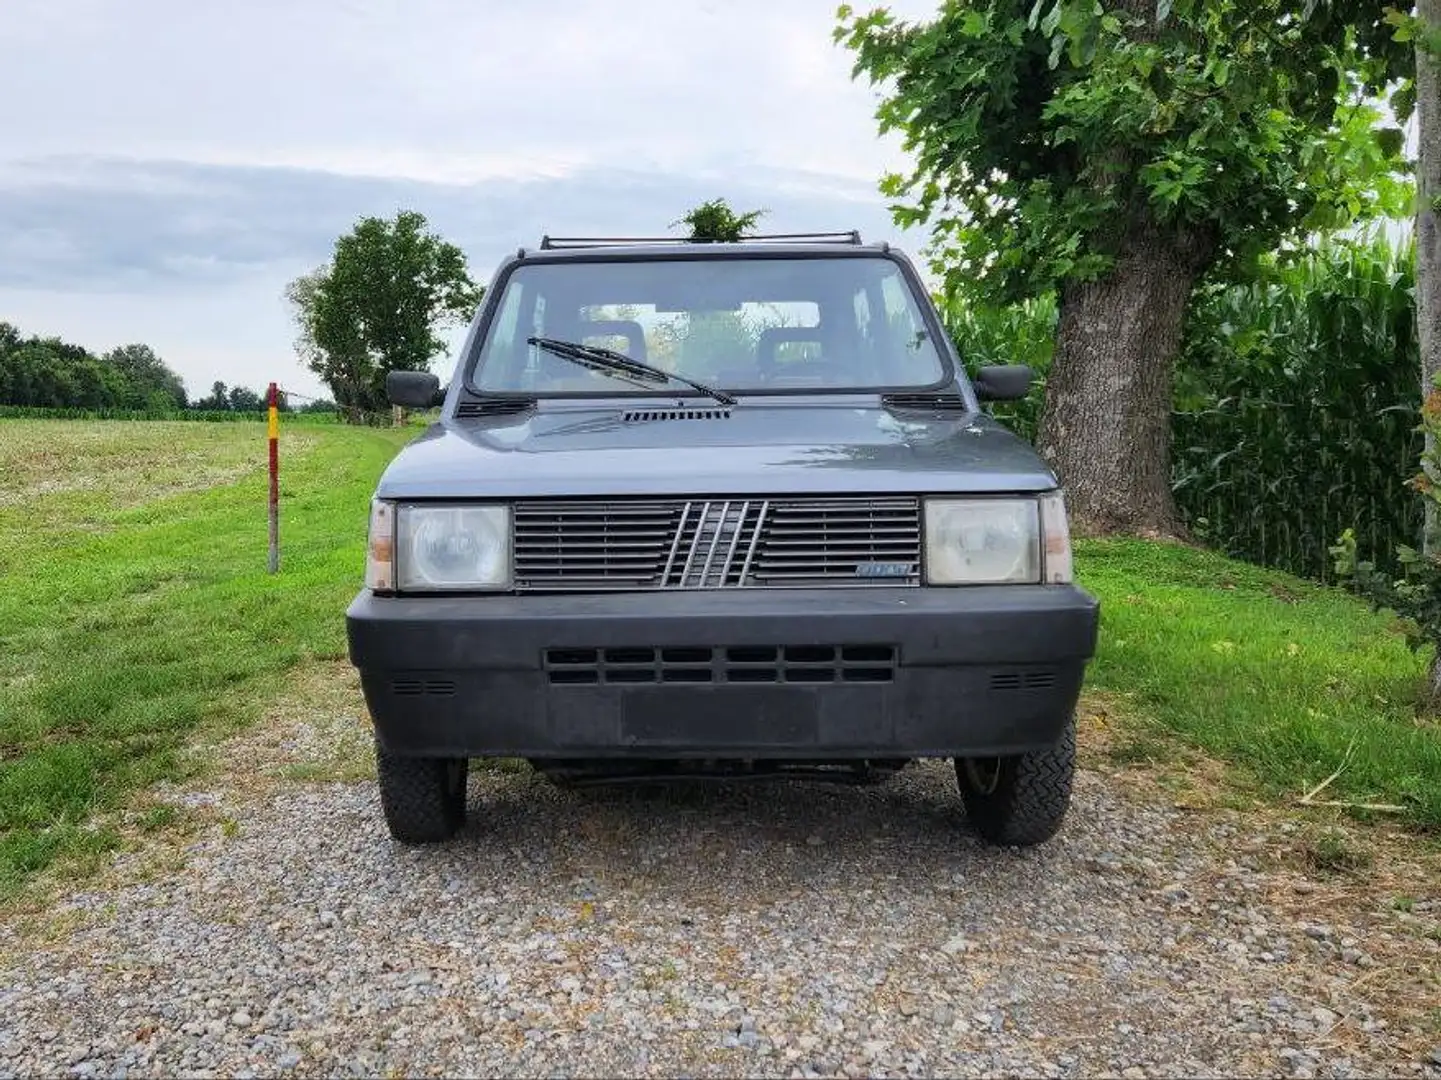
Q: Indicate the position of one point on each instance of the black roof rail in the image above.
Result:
(548, 243)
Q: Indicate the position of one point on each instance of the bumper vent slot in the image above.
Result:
(739, 542)
(742, 664)
(422, 688)
(1023, 680)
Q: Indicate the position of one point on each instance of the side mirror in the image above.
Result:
(413, 389)
(1003, 382)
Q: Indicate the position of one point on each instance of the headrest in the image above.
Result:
(629, 329)
(769, 338)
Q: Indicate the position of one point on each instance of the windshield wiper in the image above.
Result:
(618, 364)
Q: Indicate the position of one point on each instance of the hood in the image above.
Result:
(766, 448)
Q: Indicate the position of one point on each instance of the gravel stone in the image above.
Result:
(694, 930)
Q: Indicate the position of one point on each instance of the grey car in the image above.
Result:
(719, 509)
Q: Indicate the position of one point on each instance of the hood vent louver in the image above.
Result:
(925, 402)
(650, 416)
(494, 406)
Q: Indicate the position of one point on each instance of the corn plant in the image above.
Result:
(1413, 589)
(1296, 409)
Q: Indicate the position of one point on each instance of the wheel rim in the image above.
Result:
(983, 774)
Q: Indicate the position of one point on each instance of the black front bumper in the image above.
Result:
(813, 674)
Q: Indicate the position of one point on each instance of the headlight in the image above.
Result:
(452, 547)
(982, 541)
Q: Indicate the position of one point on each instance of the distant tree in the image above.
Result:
(219, 399)
(378, 305)
(151, 381)
(243, 399)
(301, 294)
(52, 373)
(48, 373)
(716, 222)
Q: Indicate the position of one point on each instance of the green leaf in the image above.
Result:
(1163, 11)
(1053, 19)
(1058, 46)
(1403, 101)
(1391, 141)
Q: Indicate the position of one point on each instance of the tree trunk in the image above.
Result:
(1106, 425)
(1428, 236)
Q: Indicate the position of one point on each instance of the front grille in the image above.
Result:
(715, 544)
(737, 664)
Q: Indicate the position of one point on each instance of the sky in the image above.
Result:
(168, 165)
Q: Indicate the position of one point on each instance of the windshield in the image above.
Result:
(737, 324)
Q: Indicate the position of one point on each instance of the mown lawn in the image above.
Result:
(135, 607)
(1279, 676)
(135, 603)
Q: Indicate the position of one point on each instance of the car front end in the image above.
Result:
(601, 558)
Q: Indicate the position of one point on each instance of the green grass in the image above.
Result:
(1277, 675)
(135, 609)
(135, 603)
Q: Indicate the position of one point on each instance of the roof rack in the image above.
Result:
(548, 243)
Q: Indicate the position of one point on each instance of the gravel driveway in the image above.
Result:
(787, 929)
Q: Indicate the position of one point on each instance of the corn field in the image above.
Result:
(1296, 410)
(1296, 403)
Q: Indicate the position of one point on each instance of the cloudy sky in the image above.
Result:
(168, 165)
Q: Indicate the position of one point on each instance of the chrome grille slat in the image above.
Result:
(731, 542)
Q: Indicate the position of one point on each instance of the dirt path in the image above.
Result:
(744, 930)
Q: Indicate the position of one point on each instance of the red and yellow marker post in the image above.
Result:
(272, 399)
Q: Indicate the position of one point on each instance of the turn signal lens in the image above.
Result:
(380, 548)
(1055, 539)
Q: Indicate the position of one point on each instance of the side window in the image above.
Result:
(508, 360)
(507, 320)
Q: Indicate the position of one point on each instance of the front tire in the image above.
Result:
(1020, 801)
(423, 798)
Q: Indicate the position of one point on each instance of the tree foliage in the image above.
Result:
(52, 373)
(378, 306)
(1043, 129)
(1119, 152)
(716, 222)
(153, 385)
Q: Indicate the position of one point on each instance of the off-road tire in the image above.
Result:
(423, 797)
(1020, 801)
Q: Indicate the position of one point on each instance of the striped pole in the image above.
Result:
(273, 402)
